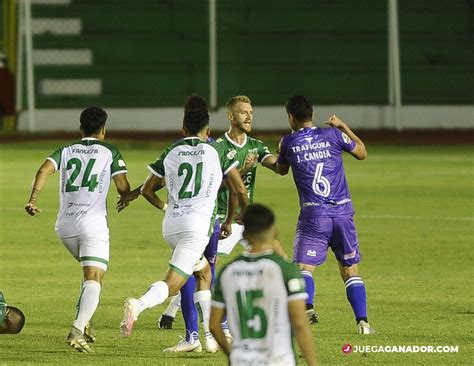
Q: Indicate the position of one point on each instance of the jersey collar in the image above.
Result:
(259, 254)
(192, 137)
(90, 138)
(226, 135)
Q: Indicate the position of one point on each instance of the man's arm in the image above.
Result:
(271, 162)
(236, 187)
(45, 170)
(152, 185)
(232, 206)
(359, 151)
(217, 315)
(250, 162)
(299, 323)
(123, 189)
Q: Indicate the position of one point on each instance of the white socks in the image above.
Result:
(173, 306)
(87, 303)
(202, 299)
(157, 293)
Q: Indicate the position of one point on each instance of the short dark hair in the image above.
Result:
(257, 219)
(92, 119)
(196, 115)
(13, 322)
(300, 107)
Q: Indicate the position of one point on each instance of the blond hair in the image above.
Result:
(237, 99)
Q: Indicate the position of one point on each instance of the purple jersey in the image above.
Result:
(315, 156)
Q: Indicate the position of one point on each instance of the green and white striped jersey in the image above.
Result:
(240, 152)
(193, 170)
(86, 169)
(255, 290)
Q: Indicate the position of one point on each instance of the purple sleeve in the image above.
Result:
(282, 159)
(344, 141)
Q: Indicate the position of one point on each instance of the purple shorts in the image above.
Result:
(315, 235)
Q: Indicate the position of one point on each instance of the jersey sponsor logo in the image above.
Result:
(85, 151)
(191, 153)
(311, 253)
(295, 284)
(231, 154)
(70, 204)
(309, 146)
(309, 204)
(346, 138)
(244, 272)
(350, 255)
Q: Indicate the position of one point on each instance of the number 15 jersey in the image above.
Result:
(193, 170)
(86, 168)
(255, 290)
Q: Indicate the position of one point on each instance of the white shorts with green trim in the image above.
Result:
(188, 248)
(225, 246)
(91, 249)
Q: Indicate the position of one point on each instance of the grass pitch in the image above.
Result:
(414, 215)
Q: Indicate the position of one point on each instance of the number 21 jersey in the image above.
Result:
(193, 171)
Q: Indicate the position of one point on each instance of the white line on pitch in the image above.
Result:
(369, 217)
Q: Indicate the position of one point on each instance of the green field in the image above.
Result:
(415, 219)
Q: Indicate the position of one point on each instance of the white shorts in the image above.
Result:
(91, 249)
(225, 246)
(188, 248)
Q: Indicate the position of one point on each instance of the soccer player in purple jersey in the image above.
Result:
(326, 216)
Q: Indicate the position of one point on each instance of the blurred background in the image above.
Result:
(380, 64)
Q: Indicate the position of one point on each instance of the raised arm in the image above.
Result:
(359, 152)
(271, 162)
(153, 184)
(45, 170)
(304, 338)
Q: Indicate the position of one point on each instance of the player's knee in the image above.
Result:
(348, 271)
(93, 274)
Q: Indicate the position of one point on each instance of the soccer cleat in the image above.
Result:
(185, 346)
(364, 328)
(130, 316)
(313, 318)
(210, 344)
(89, 333)
(165, 322)
(76, 340)
(228, 336)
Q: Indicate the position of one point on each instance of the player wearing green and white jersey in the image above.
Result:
(264, 297)
(192, 170)
(248, 152)
(86, 168)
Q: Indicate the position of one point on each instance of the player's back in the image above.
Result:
(86, 168)
(315, 156)
(256, 289)
(193, 174)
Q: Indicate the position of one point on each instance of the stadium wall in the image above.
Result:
(266, 118)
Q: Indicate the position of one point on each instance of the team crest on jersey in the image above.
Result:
(295, 284)
(231, 154)
(346, 138)
(311, 253)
